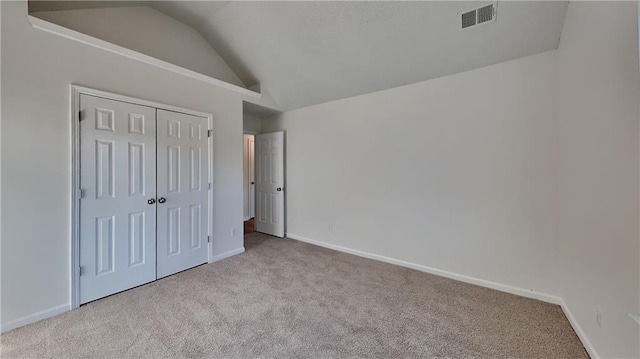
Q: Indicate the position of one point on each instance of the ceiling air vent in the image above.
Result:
(485, 14)
(468, 19)
(477, 16)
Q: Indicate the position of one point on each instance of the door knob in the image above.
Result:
(279, 189)
(253, 183)
(162, 200)
(151, 200)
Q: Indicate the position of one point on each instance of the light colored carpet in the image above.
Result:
(287, 299)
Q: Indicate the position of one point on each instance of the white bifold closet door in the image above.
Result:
(118, 182)
(144, 183)
(182, 192)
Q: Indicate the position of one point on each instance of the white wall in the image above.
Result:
(598, 98)
(251, 123)
(525, 173)
(37, 68)
(150, 32)
(456, 173)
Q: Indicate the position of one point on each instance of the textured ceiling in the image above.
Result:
(310, 52)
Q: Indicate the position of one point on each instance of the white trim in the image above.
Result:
(439, 272)
(463, 278)
(74, 248)
(591, 350)
(138, 101)
(75, 92)
(52, 28)
(32, 318)
(228, 254)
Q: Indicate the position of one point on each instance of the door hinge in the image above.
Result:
(79, 271)
(209, 133)
(210, 185)
(80, 193)
(79, 115)
(208, 239)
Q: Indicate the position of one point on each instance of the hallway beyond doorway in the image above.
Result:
(249, 226)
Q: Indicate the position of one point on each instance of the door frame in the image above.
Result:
(74, 109)
(254, 134)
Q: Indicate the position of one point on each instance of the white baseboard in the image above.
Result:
(32, 318)
(578, 329)
(460, 277)
(228, 254)
(467, 279)
(439, 272)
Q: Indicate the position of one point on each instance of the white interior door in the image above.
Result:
(270, 183)
(182, 191)
(118, 184)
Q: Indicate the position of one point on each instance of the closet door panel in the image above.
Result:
(182, 191)
(117, 179)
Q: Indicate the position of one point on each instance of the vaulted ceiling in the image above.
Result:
(311, 52)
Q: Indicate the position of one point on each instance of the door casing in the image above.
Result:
(74, 106)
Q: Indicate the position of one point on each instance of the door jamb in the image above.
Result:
(74, 95)
(254, 134)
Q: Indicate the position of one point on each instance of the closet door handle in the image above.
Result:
(162, 200)
(151, 200)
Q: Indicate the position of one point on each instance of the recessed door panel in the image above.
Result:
(105, 119)
(173, 231)
(136, 123)
(195, 168)
(105, 243)
(117, 175)
(274, 208)
(262, 206)
(136, 172)
(195, 227)
(137, 238)
(173, 128)
(173, 169)
(274, 170)
(104, 169)
(195, 131)
(270, 184)
(182, 160)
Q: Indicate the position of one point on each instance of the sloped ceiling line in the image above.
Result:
(311, 52)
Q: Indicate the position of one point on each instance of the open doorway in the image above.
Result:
(263, 177)
(251, 127)
(248, 145)
(263, 183)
